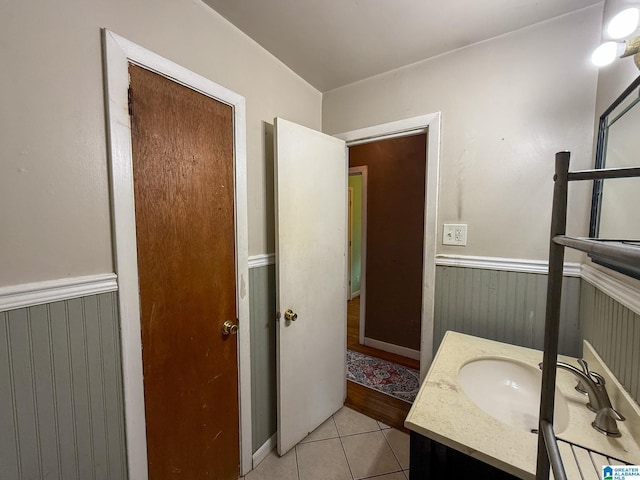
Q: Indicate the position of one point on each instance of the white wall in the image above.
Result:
(54, 198)
(614, 78)
(508, 104)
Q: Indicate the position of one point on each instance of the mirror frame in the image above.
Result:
(596, 196)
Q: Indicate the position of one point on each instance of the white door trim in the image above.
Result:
(118, 53)
(431, 124)
(362, 171)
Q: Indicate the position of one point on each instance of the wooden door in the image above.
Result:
(311, 271)
(184, 202)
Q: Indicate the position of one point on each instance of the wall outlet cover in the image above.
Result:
(454, 234)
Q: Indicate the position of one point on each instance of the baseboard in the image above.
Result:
(38, 293)
(504, 264)
(391, 348)
(265, 450)
(355, 294)
(262, 260)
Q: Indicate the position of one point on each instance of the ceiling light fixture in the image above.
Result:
(609, 51)
(622, 25)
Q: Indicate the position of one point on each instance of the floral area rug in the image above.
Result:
(386, 377)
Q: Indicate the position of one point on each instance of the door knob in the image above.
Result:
(289, 315)
(229, 328)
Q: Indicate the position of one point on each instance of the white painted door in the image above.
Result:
(311, 272)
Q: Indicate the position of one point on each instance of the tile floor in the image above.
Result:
(348, 446)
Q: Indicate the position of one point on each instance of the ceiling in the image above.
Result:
(331, 43)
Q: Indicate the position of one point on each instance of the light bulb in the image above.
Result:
(605, 54)
(624, 23)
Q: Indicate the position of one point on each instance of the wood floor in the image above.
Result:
(372, 403)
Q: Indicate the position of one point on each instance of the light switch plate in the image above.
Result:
(454, 234)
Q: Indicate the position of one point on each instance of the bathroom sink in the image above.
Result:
(509, 391)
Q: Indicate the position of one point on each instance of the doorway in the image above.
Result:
(357, 232)
(119, 55)
(393, 241)
(390, 301)
(430, 124)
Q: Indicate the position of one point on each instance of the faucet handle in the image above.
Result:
(598, 379)
(584, 365)
(617, 415)
(585, 369)
(605, 422)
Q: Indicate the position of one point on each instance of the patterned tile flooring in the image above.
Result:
(348, 446)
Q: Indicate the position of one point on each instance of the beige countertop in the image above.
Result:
(444, 413)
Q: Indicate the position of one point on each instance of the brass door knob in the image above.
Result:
(289, 315)
(229, 328)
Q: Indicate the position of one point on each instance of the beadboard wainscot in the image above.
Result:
(503, 299)
(262, 298)
(610, 322)
(61, 400)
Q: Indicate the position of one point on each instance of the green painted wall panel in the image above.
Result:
(262, 291)
(61, 398)
(504, 306)
(614, 331)
(61, 403)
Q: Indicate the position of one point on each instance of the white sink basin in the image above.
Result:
(509, 391)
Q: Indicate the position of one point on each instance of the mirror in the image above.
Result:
(615, 207)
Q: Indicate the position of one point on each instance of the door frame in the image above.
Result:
(118, 52)
(350, 243)
(363, 172)
(429, 124)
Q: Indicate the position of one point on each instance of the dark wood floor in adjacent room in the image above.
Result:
(372, 403)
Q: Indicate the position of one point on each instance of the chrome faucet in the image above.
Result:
(593, 384)
(598, 398)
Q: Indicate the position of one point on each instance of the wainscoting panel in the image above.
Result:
(61, 411)
(262, 282)
(504, 306)
(614, 331)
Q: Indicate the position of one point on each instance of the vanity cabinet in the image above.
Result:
(432, 460)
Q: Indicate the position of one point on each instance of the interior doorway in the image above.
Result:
(429, 124)
(393, 241)
(119, 54)
(350, 240)
(388, 221)
(357, 234)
